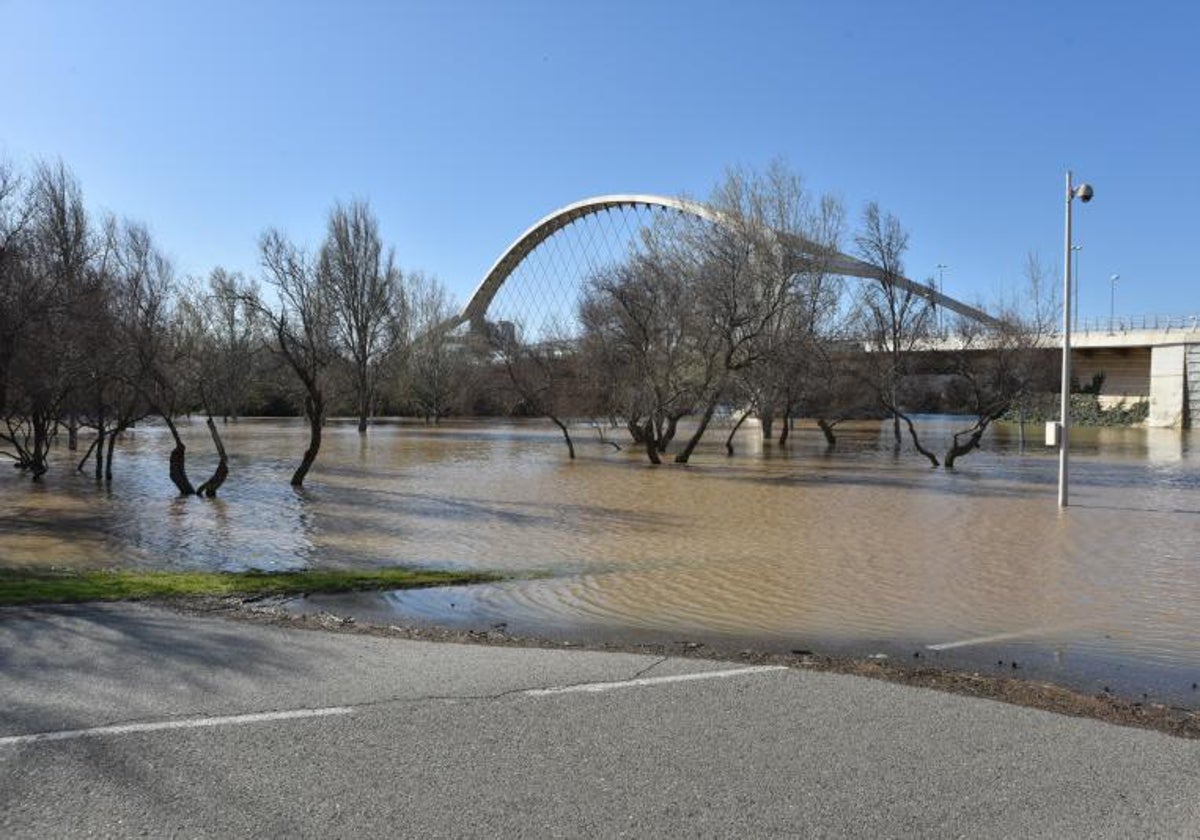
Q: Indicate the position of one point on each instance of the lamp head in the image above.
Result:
(1084, 193)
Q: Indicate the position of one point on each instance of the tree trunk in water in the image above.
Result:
(112, 442)
(566, 436)
(86, 455)
(652, 449)
(912, 431)
(210, 487)
(787, 427)
(957, 450)
(603, 439)
(41, 447)
(896, 427)
(669, 434)
(635, 431)
(364, 411)
(649, 440)
(767, 418)
(682, 457)
(72, 433)
(315, 410)
(178, 471)
(827, 430)
(100, 421)
(733, 431)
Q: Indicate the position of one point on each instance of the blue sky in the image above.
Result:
(464, 122)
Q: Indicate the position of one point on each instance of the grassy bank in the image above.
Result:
(19, 586)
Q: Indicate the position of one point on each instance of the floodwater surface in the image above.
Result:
(790, 547)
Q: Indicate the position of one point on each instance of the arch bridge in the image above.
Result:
(1158, 362)
(517, 254)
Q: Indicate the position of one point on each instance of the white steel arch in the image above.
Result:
(476, 308)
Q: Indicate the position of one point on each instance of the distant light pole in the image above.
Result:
(1075, 305)
(1112, 300)
(1084, 193)
(941, 291)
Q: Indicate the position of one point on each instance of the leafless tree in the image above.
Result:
(438, 362)
(798, 341)
(146, 318)
(544, 378)
(303, 327)
(639, 333)
(895, 318)
(46, 280)
(367, 300)
(700, 313)
(234, 332)
(994, 368)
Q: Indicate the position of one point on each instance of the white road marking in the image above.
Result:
(593, 688)
(188, 723)
(1003, 637)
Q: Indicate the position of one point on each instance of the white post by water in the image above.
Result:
(1065, 408)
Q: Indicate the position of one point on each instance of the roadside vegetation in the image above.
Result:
(24, 586)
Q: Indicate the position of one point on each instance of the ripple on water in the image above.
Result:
(775, 542)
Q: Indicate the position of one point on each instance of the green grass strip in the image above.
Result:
(60, 587)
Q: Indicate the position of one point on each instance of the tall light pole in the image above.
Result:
(1076, 249)
(1084, 193)
(941, 291)
(1112, 300)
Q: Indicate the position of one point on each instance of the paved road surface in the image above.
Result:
(128, 720)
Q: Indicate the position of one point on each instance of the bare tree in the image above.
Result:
(894, 316)
(994, 368)
(639, 333)
(303, 327)
(368, 306)
(437, 362)
(699, 314)
(233, 331)
(544, 378)
(761, 275)
(46, 280)
(157, 356)
(797, 343)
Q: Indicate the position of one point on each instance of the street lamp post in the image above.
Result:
(1084, 193)
(1112, 300)
(1075, 304)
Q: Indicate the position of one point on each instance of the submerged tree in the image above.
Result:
(48, 294)
(640, 333)
(894, 316)
(995, 367)
(715, 308)
(437, 363)
(366, 299)
(303, 329)
(544, 379)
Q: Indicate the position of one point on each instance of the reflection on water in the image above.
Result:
(791, 543)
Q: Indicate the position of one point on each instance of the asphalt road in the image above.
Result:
(128, 720)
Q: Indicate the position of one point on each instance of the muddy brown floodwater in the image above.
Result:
(853, 551)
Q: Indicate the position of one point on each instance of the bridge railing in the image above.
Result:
(1128, 323)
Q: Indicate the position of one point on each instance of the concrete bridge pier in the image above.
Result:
(1174, 385)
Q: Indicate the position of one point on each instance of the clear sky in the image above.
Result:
(465, 122)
